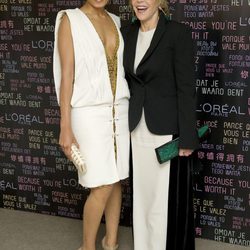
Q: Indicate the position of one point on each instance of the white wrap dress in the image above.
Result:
(106, 151)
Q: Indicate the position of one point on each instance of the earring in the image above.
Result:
(134, 17)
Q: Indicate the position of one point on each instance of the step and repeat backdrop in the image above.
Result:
(221, 34)
(34, 174)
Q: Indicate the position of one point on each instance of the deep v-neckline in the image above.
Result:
(99, 37)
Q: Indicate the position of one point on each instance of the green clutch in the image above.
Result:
(170, 149)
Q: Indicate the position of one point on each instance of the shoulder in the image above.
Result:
(70, 13)
(116, 19)
(66, 22)
(62, 18)
(65, 11)
(177, 28)
(126, 29)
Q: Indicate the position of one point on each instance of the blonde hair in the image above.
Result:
(164, 7)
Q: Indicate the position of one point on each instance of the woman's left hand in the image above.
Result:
(185, 152)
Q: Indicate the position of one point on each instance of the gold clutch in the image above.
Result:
(77, 159)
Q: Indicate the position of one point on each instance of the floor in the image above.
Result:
(29, 231)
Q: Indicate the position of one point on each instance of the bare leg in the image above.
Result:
(92, 214)
(112, 215)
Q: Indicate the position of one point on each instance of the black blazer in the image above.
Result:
(164, 82)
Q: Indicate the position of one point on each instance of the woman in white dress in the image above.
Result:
(93, 97)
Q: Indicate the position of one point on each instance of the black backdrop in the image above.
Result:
(35, 176)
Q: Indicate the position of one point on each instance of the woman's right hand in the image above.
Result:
(66, 139)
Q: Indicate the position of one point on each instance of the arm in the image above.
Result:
(185, 80)
(66, 52)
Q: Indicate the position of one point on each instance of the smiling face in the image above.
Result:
(146, 10)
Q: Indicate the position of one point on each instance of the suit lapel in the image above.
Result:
(131, 44)
(160, 30)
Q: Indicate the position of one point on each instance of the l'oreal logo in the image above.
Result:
(23, 119)
(220, 109)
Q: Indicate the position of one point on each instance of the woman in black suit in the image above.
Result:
(159, 65)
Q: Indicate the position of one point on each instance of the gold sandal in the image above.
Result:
(105, 247)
